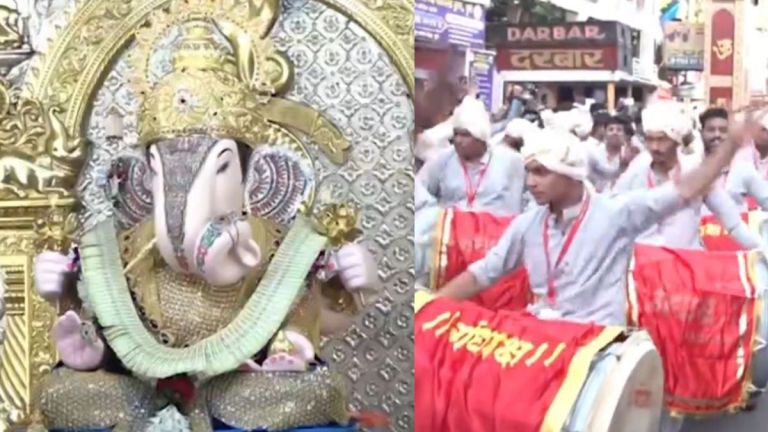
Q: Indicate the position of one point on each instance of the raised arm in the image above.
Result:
(503, 258)
(756, 187)
(723, 207)
(642, 209)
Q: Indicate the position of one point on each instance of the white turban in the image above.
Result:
(558, 151)
(472, 116)
(517, 128)
(575, 121)
(668, 117)
(548, 118)
(763, 121)
(582, 122)
(434, 139)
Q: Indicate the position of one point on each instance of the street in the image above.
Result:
(756, 420)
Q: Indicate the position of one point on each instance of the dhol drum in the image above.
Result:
(716, 239)
(447, 241)
(613, 377)
(706, 312)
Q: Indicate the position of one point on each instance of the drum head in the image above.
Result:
(632, 394)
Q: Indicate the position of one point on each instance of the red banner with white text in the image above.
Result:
(464, 237)
(700, 309)
(480, 370)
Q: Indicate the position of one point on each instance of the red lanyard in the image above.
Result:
(472, 191)
(551, 294)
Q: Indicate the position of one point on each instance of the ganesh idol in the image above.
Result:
(212, 269)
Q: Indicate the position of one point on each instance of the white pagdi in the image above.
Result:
(433, 140)
(558, 151)
(576, 121)
(517, 128)
(472, 116)
(668, 117)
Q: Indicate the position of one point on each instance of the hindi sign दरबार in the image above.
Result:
(549, 59)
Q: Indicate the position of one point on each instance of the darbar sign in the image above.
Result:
(567, 34)
(550, 59)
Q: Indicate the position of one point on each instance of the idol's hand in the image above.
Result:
(77, 342)
(222, 237)
(356, 268)
(49, 270)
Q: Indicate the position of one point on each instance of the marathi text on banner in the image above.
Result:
(700, 309)
(464, 237)
(479, 370)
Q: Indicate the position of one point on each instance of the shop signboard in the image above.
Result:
(683, 46)
(721, 57)
(454, 22)
(575, 34)
(481, 73)
(560, 59)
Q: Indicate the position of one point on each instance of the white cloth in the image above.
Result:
(668, 117)
(472, 116)
(517, 128)
(558, 151)
(433, 140)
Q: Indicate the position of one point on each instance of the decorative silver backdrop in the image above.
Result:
(341, 71)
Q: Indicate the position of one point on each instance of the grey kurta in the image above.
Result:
(681, 230)
(500, 190)
(590, 283)
(742, 180)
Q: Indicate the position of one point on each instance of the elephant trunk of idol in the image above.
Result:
(198, 200)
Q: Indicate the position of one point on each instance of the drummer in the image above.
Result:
(666, 127)
(471, 175)
(742, 181)
(577, 244)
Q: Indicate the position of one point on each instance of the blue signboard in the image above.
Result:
(454, 22)
(481, 72)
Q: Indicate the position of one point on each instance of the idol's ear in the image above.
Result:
(129, 186)
(277, 183)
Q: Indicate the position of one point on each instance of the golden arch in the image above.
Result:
(76, 65)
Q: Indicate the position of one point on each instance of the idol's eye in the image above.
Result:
(223, 168)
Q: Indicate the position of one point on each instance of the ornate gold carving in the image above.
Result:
(10, 34)
(213, 92)
(37, 156)
(69, 75)
(28, 353)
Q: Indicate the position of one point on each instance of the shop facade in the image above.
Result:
(571, 62)
(450, 38)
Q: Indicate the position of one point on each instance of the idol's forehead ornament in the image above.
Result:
(226, 79)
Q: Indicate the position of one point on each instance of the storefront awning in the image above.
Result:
(574, 76)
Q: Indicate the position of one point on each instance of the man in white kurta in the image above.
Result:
(576, 244)
(666, 125)
(471, 175)
(741, 179)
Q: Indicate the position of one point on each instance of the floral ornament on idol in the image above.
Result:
(337, 222)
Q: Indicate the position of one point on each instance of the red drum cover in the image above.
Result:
(700, 308)
(464, 237)
(503, 371)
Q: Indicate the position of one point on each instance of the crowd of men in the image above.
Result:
(586, 188)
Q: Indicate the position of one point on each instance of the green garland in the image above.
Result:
(247, 334)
